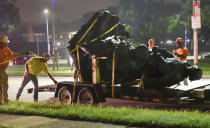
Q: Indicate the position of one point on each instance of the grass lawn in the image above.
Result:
(123, 115)
(19, 69)
(205, 66)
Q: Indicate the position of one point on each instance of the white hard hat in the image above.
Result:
(4, 39)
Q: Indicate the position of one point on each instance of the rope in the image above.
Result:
(30, 52)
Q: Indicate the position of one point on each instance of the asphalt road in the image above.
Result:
(15, 82)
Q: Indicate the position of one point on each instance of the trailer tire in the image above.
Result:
(86, 97)
(64, 96)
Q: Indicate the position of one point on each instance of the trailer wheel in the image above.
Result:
(86, 97)
(64, 96)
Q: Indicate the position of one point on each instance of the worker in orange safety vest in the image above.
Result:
(151, 43)
(181, 53)
(5, 55)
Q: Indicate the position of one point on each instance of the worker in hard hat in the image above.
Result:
(151, 43)
(33, 67)
(181, 53)
(5, 55)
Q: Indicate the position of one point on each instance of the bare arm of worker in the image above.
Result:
(52, 78)
(20, 54)
(27, 71)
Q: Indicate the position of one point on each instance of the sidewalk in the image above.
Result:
(21, 121)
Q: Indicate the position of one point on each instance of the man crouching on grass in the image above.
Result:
(33, 67)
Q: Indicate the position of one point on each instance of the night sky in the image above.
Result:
(65, 10)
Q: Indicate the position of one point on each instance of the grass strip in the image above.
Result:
(19, 69)
(3, 126)
(124, 116)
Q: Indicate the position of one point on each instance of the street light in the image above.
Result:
(48, 42)
(53, 27)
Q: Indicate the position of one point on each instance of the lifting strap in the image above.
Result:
(108, 31)
(77, 49)
(83, 36)
(141, 83)
(113, 72)
(78, 73)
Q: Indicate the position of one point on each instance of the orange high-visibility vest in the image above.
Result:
(182, 51)
(5, 55)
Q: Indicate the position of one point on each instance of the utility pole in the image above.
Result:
(47, 26)
(53, 27)
(196, 24)
(53, 34)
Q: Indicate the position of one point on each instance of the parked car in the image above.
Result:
(205, 56)
(21, 60)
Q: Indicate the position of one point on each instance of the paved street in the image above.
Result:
(15, 82)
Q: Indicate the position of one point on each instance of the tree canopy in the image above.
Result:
(9, 16)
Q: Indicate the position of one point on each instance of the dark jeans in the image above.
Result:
(25, 81)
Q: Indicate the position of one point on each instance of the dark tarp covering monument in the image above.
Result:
(103, 34)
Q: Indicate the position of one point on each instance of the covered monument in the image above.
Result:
(103, 35)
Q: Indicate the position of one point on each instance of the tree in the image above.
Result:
(149, 18)
(9, 16)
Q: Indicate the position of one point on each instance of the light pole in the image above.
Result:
(53, 27)
(48, 42)
(37, 41)
(53, 33)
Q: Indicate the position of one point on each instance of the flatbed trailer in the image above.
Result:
(86, 93)
(92, 93)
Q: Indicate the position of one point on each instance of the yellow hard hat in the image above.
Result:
(46, 56)
(4, 39)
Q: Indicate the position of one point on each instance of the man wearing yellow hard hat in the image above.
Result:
(33, 67)
(5, 55)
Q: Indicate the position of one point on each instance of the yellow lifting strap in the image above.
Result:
(113, 72)
(108, 31)
(83, 36)
(78, 73)
(141, 84)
